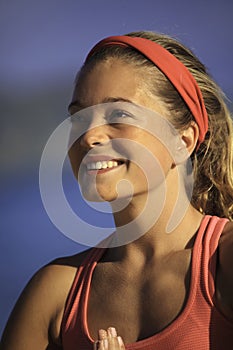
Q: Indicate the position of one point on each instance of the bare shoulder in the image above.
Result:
(226, 245)
(225, 280)
(55, 280)
(36, 318)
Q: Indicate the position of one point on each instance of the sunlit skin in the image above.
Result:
(105, 89)
(155, 252)
(114, 81)
(138, 288)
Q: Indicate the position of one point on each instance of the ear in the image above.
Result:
(189, 137)
(187, 143)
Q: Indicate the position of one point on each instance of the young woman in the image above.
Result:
(157, 290)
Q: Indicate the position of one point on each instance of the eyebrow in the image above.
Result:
(78, 104)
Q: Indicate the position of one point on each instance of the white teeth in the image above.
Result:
(98, 165)
(102, 165)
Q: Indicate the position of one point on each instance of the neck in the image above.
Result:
(150, 225)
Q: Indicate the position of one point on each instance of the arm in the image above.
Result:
(33, 323)
(225, 271)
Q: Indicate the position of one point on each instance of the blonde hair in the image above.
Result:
(213, 162)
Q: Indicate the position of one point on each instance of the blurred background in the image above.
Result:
(42, 45)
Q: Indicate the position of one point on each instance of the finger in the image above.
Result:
(111, 332)
(101, 344)
(120, 342)
(96, 345)
(115, 343)
(102, 334)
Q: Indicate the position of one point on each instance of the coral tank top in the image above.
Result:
(200, 326)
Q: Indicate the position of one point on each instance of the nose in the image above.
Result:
(94, 137)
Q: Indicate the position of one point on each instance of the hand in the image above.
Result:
(109, 340)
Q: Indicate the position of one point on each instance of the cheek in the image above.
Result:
(164, 158)
(75, 158)
(156, 161)
(150, 176)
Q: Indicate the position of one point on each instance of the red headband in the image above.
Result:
(172, 68)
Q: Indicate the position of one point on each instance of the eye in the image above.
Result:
(79, 124)
(118, 114)
(78, 118)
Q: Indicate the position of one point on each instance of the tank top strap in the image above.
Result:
(79, 286)
(212, 234)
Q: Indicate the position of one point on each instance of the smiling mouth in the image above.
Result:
(104, 165)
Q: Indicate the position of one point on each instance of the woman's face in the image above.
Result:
(119, 148)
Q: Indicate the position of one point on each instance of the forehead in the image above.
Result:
(111, 78)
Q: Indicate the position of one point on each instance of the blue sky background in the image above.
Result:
(42, 44)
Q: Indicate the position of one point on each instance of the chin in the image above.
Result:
(94, 196)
